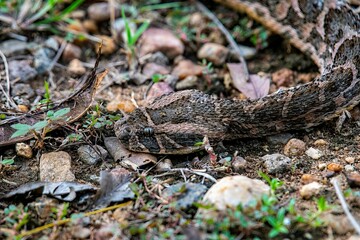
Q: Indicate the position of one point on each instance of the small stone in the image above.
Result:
(13, 47)
(214, 53)
(322, 166)
(21, 70)
(231, 191)
(308, 178)
(354, 237)
(76, 67)
(90, 26)
(184, 195)
(157, 90)
(81, 232)
(335, 167)
(294, 147)
(320, 142)
(186, 68)
(23, 150)
(56, 167)
(339, 224)
(23, 108)
(197, 19)
(239, 164)
(108, 44)
(309, 190)
(314, 153)
(349, 168)
(153, 68)
(90, 155)
(187, 83)
(276, 163)
(353, 178)
(100, 12)
(71, 52)
(163, 40)
(350, 160)
(23, 90)
(164, 166)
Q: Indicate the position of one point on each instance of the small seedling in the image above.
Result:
(274, 183)
(157, 77)
(7, 161)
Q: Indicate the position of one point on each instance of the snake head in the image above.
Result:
(137, 132)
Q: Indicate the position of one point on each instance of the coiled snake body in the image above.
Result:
(326, 30)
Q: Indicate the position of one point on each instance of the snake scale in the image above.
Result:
(326, 30)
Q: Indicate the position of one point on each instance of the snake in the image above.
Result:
(328, 31)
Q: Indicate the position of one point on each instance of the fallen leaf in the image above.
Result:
(256, 87)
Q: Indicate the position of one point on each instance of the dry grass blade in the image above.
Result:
(7, 92)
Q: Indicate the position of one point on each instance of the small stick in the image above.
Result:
(7, 93)
(345, 206)
(228, 36)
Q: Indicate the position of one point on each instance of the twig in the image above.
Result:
(7, 93)
(345, 206)
(228, 36)
(208, 176)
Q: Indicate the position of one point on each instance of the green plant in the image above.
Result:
(51, 116)
(278, 223)
(157, 77)
(7, 161)
(16, 216)
(274, 183)
(99, 120)
(47, 96)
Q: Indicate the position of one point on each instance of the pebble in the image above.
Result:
(322, 166)
(320, 142)
(187, 83)
(294, 147)
(232, 191)
(276, 163)
(349, 168)
(81, 232)
(186, 68)
(13, 47)
(56, 167)
(335, 167)
(76, 67)
(100, 12)
(308, 178)
(339, 224)
(71, 52)
(184, 195)
(21, 69)
(314, 153)
(214, 53)
(157, 90)
(239, 164)
(89, 155)
(163, 40)
(350, 160)
(353, 178)
(197, 19)
(309, 190)
(90, 26)
(164, 166)
(23, 108)
(108, 45)
(43, 58)
(24, 90)
(23, 150)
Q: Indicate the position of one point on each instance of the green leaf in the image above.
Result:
(40, 125)
(19, 133)
(140, 31)
(60, 113)
(20, 126)
(7, 161)
(127, 27)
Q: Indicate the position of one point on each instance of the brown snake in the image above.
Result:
(326, 30)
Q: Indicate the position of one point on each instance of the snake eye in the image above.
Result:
(148, 131)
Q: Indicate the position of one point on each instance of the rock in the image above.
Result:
(100, 12)
(81, 232)
(186, 68)
(353, 178)
(22, 90)
(90, 26)
(320, 142)
(232, 191)
(187, 83)
(354, 237)
(23, 108)
(239, 164)
(43, 58)
(350, 160)
(294, 147)
(108, 45)
(322, 166)
(281, 138)
(23, 150)
(21, 69)
(164, 166)
(163, 40)
(153, 68)
(309, 190)
(90, 155)
(349, 168)
(197, 20)
(56, 167)
(76, 67)
(276, 163)
(157, 90)
(335, 167)
(214, 53)
(314, 153)
(71, 52)
(13, 47)
(184, 195)
(308, 178)
(339, 224)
